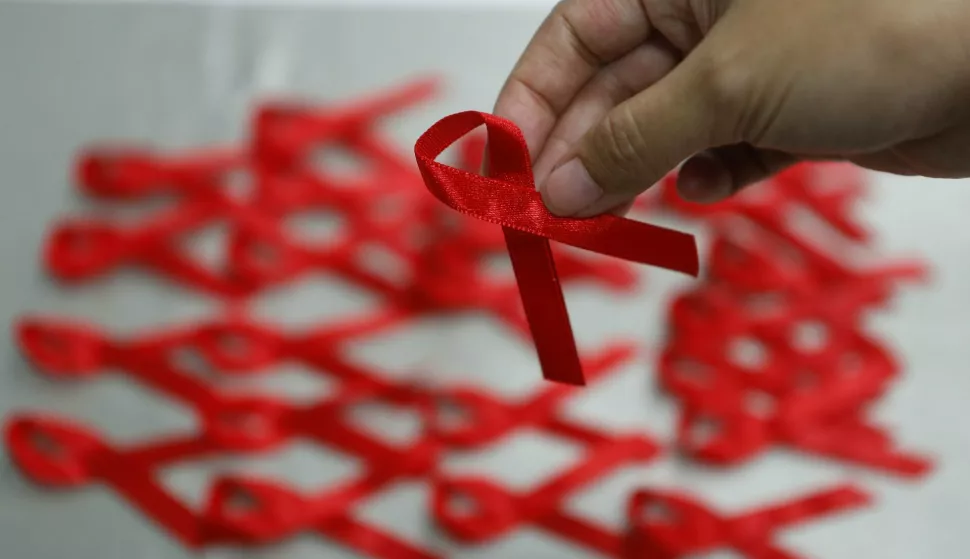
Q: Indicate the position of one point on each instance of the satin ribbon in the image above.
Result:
(666, 525)
(488, 418)
(811, 398)
(58, 453)
(508, 197)
(285, 134)
(125, 173)
(83, 249)
(255, 511)
(783, 259)
(477, 510)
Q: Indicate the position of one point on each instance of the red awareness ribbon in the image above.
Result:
(255, 511)
(508, 198)
(284, 134)
(494, 511)
(475, 509)
(57, 453)
(812, 399)
(80, 249)
(666, 525)
(126, 173)
(719, 426)
(488, 418)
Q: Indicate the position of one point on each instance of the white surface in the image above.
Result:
(183, 76)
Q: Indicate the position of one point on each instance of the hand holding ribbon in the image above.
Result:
(508, 197)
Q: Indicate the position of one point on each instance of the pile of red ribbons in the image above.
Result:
(811, 398)
(771, 349)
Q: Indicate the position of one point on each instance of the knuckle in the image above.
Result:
(726, 84)
(617, 148)
(724, 81)
(599, 29)
(624, 141)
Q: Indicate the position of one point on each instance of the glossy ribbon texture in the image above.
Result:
(771, 349)
(668, 525)
(508, 197)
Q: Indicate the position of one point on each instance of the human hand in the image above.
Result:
(611, 95)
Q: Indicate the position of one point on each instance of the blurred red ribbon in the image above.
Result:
(508, 197)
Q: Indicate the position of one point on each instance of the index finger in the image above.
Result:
(577, 39)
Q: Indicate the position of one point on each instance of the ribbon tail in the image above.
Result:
(545, 307)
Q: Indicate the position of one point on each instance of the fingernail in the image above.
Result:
(700, 191)
(570, 189)
(704, 180)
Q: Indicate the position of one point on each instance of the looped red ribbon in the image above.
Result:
(673, 526)
(722, 423)
(285, 132)
(78, 250)
(62, 349)
(130, 173)
(52, 452)
(57, 453)
(237, 345)
(508, 198)
(492, 509)
(756, 266)
(246, 423)
(253, 510)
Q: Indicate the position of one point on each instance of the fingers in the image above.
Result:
(574, 42)
(634, 72)
(636, 144)
(716, 174)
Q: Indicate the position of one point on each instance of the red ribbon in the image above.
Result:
(508, 198)
(126, 173)
(58, 453)
(673, 526)
(479, 510)
(810, 398)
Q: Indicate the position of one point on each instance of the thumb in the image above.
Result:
(636, 144)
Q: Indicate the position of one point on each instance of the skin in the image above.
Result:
(611, 95)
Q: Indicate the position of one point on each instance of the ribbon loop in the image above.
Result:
(246, 423)
(473, 510)
(237, 346)
(254, 511)
(50, 451)
(117, 173)
(672, 525)
(61, 349)
(467, 418)
(508, 197)
(723, 438)
(261, 255)
(80, 250)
